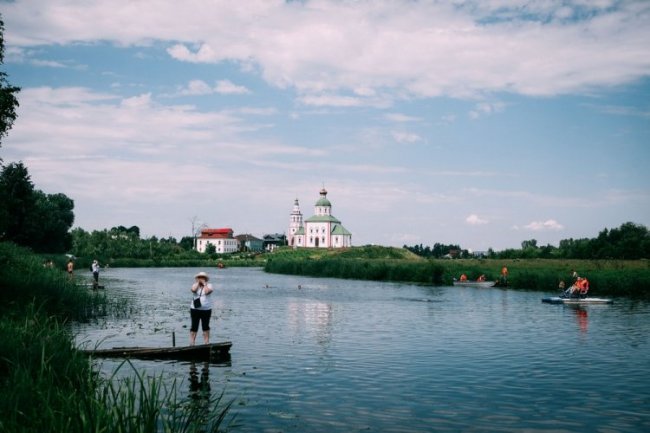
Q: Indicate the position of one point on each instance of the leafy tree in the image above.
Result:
(30, 217)
(187, 243)
(529, 244)
(8, 101)
(17, 195)
(48, 225)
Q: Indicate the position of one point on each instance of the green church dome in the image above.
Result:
(323, 201)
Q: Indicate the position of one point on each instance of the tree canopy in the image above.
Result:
(31, 218)
(8, 100)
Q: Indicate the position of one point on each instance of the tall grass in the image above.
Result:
(47, 385)
(607, 277)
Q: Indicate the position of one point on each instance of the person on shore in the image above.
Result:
(95, 268)
(70, 268)
(504, 276)
(201, 307)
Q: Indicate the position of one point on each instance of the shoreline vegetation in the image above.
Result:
(47, 385)
(629, 278)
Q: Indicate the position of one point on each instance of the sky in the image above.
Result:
(481, 123)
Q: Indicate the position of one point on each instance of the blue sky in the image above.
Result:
(479, 123)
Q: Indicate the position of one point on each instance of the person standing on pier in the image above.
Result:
(201, 307)
(95, 268)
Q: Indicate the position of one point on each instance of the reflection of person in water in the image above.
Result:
(583, 318)
(200, 383)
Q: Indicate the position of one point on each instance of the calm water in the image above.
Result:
(348, 356)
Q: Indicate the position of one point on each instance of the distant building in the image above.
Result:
(222, 239)
(274, 240)
(322, 230)
(248, 242)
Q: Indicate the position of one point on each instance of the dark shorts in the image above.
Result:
(200, 315)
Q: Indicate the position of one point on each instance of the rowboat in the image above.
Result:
(477, 284)
(576, 301)
(215, 352)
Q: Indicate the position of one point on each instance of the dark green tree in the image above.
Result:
(18, 198)
(48, 226)
(8, 100)
(187, 243)
(30, 217)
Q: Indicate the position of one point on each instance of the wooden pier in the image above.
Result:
(215, 352)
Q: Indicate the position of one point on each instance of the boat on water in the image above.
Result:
(214, 352)
(477, 284)
(576, 301)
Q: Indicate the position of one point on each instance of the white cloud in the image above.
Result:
(204, 54)
(401, 118)
(197, 87)
(226, 87)
(396, 48)
(483, 109)
(551, 224)
(405, 137)
(331, 100)
(475, 220)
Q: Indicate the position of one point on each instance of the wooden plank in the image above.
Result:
(215, 352)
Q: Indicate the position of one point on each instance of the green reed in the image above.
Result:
(607, 277)
(47, 385)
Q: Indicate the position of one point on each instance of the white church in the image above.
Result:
(319, 231)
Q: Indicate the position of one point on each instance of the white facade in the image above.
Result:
(295, 222)
(322, 230)
(222, 246)
(222, 239)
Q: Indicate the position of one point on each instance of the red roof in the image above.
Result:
(217, 233)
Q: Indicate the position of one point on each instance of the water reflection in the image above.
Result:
(199, 395)
(200, 382)
(582, 317)
(315, 317)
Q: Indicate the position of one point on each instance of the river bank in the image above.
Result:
(630, 278)
(49, 386)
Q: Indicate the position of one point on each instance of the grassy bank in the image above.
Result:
(607, 277)
(48, 386)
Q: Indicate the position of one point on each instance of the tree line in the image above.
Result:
(123, 242)
(630, 241)
(30, 217)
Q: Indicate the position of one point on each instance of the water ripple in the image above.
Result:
(347, 356)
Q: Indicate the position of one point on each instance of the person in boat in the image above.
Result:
(463, 277)
(481, 278)
(579, 289)
(584, 288)
(201, 307)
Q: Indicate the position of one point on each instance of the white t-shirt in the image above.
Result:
(206, 300)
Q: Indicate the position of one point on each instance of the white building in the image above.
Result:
(322, 230)
(222, 239)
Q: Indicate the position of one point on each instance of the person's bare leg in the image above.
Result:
(192, 338)
(206, 337)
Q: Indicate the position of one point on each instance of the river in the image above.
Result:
(329, 355)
